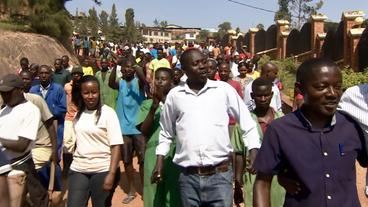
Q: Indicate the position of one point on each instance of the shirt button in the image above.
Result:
(325, 154)
(327, 175)
(329, 197)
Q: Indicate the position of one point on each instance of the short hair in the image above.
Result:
(166, 70)
(45, 66)
(24, 60)
(184, 58)
(26, 72)
(125, 60)
(58, 59)
(305, 69)
(224, 63)
(261, 81)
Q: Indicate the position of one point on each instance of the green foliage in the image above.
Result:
(130, 31)
(203, 35)
(283, 12)
(260, 26)
(351, 78)
(93, 21)
(331, 26)
(104, 23)
(303, 9)
(114, 32)
(223, 28)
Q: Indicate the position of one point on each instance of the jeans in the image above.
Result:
(206, 191)
(85, 185)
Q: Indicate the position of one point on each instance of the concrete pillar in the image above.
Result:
(282, 27)
(320, 40)
(252, 37)
(354, 35)
(317, 28)
(348, 19)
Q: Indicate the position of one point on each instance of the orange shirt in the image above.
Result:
(71, 108)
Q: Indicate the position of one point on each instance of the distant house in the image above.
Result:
(156, 34)
(171, 33)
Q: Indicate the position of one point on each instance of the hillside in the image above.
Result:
(37, 48)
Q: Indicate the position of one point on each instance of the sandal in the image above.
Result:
(128, 199)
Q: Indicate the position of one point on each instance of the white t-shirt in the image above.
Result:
(20, 121)
(93, 141)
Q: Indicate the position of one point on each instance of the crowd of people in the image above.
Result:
(204, 121)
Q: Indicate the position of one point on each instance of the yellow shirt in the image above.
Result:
(87, 70)
(254, 75)
(156, 64)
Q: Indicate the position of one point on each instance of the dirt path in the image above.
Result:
(137, 202)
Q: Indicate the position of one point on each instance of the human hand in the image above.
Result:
(250, 161)
(109, 181)
(238, 194)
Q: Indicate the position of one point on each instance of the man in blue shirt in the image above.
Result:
(315, 145)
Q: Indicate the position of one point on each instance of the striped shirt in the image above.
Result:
(354, 102)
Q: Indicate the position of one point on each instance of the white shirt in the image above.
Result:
(234, 69)
(93, 141)
(200, 124)
(354, 102)
(21, 120)
(275, 101)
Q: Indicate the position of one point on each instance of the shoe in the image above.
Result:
(366, 191)
(128, 199)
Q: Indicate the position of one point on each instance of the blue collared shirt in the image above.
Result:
(323, 160)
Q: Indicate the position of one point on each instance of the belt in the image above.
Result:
(207, 170)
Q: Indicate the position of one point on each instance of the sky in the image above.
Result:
(208, 13)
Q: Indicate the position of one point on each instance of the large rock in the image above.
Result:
(37, 48)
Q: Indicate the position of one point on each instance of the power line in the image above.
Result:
(255, 7)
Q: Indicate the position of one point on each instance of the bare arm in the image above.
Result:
(17, 146)
(147, 124)
(114, 162)
(159, 168)
(4, 191)
(113, 83)
(50, 126)
(261, 190)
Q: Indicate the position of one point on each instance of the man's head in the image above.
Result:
(33, 68)
(65, 61)
(11, 89)
(220, 58)
(164, 80)
(224, 71)
(77, 73)
(45, 75)
(127, 68)
(236, 59)
(262, 93)
(319, 80)
(212, 68)
(105, 64)
(211, 54)
(194, 63)
(24, 63)
(160, 53)
(269, 70)
(178, 73)
(27, 78)
(58, 64)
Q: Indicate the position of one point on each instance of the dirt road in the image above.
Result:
(137, 202)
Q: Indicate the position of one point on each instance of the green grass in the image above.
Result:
(16, 27)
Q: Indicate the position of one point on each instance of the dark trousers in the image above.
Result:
(38, 194)
(85, 185)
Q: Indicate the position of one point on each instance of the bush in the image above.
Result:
(288, 68)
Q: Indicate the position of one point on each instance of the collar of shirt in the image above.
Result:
(308, 124)
(209, 84)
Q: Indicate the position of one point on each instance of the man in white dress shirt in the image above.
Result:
(196, 113)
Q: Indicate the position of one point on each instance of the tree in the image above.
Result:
(223, 28)
(203, 35)
(237, 30)
(104, 23)
(156, 23)
(300, 10)
(130, 31)
(163, 24)
(283, 12)
(115, 32)
(93, 22)
(303, 9)
(260, 26)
